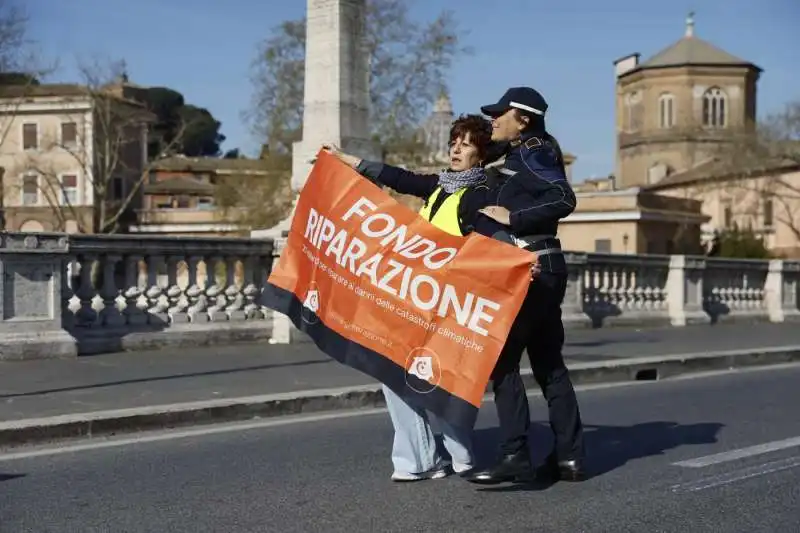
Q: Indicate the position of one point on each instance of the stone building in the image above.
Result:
(677, 116)
(62, 147)
(673, 110)
(683, 116)
(181, 196)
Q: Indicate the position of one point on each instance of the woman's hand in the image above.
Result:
(536, 269)
(500, 214)
(347, 159)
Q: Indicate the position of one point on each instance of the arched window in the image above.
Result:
(714, 108)
(666, 111)
(633, 111)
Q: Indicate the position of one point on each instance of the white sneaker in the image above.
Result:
(460, 468)
(437, 472)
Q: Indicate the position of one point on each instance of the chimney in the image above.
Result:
(625, 64)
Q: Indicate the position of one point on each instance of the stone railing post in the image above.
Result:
(281, 325)
(572, 311)
(685, 290)
(782, 290)
(32, 267)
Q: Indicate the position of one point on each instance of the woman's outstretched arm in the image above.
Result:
(396, 178)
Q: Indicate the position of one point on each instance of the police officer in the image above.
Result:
(528, 197)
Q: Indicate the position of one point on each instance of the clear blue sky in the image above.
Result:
(203, 48)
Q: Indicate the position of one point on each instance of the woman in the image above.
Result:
(414, 453)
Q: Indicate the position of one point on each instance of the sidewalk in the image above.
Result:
(45, 388)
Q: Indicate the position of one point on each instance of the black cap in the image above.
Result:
(522, 98)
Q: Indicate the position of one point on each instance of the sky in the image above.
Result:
(564, 49)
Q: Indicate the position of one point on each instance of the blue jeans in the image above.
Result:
(414, 448)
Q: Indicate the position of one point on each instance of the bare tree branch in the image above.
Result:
(108, 153)
(409, 62)
(756, 169)
(13, 36)
(261, 200)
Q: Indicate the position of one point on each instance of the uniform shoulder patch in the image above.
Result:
(533, 143)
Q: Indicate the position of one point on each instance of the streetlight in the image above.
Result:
(625, 243)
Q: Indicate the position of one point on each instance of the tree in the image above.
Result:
(409, 62)
(18, 78)
(756, 168)
(200, 130)
(13, 37)
(742, 244)
(257, 200)
(203, 137)
(105, 146)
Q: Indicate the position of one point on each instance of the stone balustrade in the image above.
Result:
(65, 295)
(81, 294)
(607, 289)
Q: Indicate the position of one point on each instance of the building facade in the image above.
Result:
(681, 118)
(181, 196)
(65, 151)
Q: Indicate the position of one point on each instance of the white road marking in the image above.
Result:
(738, 475)
(182, 434)
(741, 453)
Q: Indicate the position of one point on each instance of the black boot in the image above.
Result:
(565, 470)
(511, 467)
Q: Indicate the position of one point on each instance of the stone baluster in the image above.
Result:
(134, 313)
(195, 294)
(214, 292)
(589, 290)
(86, 316)
(69, 265)
(233, 291)
(249, 288)
(110, 314)
(156, 307)
(177, 304)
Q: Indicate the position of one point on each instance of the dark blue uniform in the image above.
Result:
(532, 184)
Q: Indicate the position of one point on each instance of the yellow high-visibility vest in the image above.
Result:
(446, 217)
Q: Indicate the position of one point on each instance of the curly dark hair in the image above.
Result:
(479, 129)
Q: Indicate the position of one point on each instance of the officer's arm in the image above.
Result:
(552, 197)
(474, 199)
(398, 179)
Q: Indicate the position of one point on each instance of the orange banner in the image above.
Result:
(379, 288)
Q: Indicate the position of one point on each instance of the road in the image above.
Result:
(33, 389)
(323, 474)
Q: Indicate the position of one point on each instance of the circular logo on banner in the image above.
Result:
(310, 310)
(424, 365)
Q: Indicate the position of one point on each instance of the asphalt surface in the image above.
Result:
(31, 389)
(331, 475)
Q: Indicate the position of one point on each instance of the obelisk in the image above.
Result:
(336, 90)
